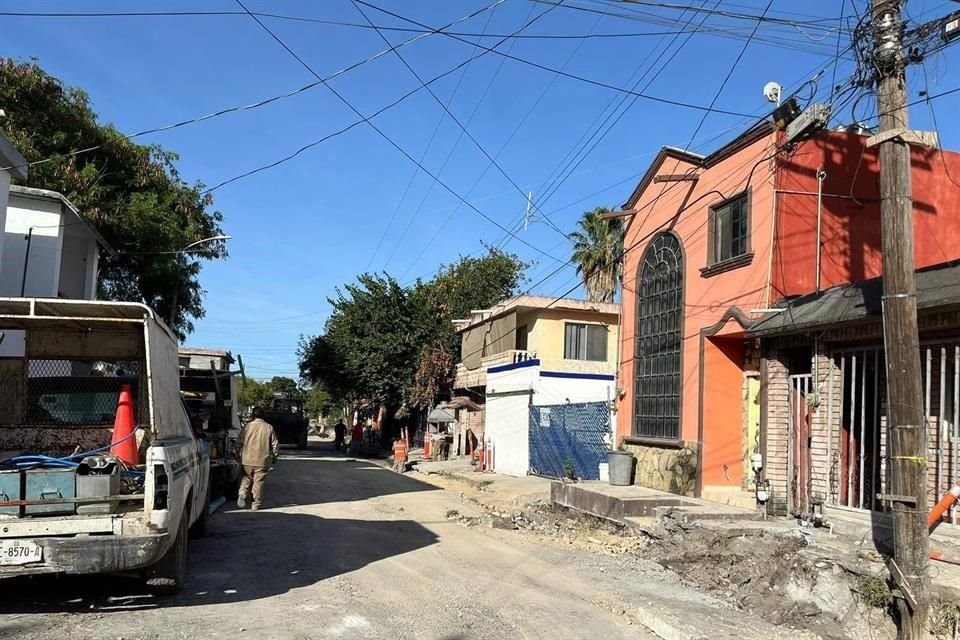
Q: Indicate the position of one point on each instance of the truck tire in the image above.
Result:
(200, 527)
(302, 443)
(167, 576)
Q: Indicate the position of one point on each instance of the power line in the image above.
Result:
(516, 130)
(423, 158)
(329, 136)
(339, 23)
(565, 74)
(255, 105)
(453, 149)
(569, 167)
(383, 135)
(453, 117)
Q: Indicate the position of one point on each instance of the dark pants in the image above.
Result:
(338, 443)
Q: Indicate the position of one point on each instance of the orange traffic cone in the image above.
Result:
(124, 443)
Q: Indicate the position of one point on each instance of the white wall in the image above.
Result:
(507, 418)
(560, 390)
(43, 271)
(75, 264)
(4, 197)
(510, 394)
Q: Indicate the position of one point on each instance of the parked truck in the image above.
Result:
(66, 364)
(208, 387)
(289, 421)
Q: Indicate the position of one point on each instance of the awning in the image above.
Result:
(463, 402)
(938, 287)
(441, 415)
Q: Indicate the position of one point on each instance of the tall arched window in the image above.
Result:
(658, 340)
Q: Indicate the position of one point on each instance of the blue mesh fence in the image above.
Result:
(569, 436)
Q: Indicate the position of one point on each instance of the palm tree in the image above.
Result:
(597, 249)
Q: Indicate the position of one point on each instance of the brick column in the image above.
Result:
(826, 413)
(776, 422)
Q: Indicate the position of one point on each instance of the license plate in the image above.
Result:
(14, 552)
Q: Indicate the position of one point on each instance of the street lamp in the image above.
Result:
(176, 286)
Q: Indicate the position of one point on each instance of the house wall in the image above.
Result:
(78, 265)
(4, 198)
(683, 208)
(509, 396)
(850, 236)
(43, 270)
(546, 333)
(512, 389)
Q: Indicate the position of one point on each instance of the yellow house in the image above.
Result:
(567, 339)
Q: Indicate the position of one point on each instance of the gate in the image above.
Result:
(569, 439)
(799, 459)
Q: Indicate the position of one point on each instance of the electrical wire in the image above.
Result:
(383, 135)
(569, 168)
(565, 74)
(247, 107)
(339, 23)
(423, 158)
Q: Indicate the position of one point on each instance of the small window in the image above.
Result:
(585, 342)
(729, 234)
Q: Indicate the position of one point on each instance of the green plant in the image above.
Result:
(569, 471)
(945, 619)
(874, 591)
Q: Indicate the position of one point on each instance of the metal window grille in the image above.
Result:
(658, 340)
(79, 392)
(729, 229)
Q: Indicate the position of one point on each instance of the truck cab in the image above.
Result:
(285, 413)
(67, 504)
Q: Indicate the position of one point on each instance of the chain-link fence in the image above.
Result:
(79, 392)
(569, 440)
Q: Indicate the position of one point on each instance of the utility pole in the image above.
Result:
(907, 439)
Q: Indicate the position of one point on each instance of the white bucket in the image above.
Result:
(604, 472)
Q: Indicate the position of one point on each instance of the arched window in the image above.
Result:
(658, 340)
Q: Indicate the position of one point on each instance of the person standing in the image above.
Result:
(339, 435)
(259, 449)
(399, 455)
(356, 439)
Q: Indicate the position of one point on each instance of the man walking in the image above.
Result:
(399, 455)
(259, 450)
(339, 434)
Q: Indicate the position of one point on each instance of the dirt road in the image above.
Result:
(343, 549)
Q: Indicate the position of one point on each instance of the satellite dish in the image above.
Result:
(772, 92)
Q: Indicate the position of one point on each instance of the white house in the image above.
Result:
(49, 250)
(12, 165)
(533, 356)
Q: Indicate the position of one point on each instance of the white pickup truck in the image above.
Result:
(62, 365)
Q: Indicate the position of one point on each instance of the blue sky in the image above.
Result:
(313, 223)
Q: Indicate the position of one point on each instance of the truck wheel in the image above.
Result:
(201, 526)
(167, 576)
(302, 444)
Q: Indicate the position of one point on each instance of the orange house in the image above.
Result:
(713, 244)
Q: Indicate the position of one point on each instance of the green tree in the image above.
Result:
(397, 345)
(132, 193)
(254, 393)
(597, 249)
(283, 384)
(373, 332)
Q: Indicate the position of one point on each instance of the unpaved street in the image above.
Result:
(344, 549)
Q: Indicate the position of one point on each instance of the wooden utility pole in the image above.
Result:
(908, 429)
